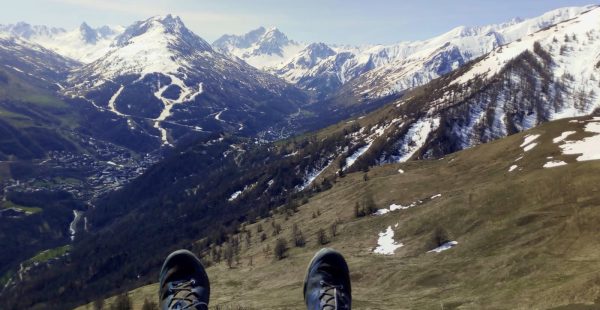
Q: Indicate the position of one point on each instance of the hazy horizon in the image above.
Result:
(339, 22)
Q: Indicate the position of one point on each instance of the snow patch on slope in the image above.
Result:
(446, 246)
(554, 163)
(311, 176)
(563, 136)
(588, 148)
(386, 244)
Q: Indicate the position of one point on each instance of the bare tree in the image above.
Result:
(276, 228)
(298, 236)
(322, 237)
(280, 249)
(229, 255)
(334, 227)
(248, 238)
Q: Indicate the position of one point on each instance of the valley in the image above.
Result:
(524, 237)
(458, 171)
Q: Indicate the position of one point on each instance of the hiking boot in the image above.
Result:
(327, 282)
(183, 283)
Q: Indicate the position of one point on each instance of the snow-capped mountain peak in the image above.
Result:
(167, 27)
(261, 47)
(306, 59)
(272, 42)
(158, 44)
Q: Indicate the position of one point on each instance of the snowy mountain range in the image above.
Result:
(156, 83)
(168, 82)
(83, 44)
(378, 70)
(550, 74)
(157, 71)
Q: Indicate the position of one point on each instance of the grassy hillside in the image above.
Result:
(526, 238)
(32, 118)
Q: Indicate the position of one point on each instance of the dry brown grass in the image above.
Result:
(527, 239)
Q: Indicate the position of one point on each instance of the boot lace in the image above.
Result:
(329, 296)
(184, 297)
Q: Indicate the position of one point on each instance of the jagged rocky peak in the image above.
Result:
(272, 42)
(229, 41)
(263, 48)
(313, 54)
(88, 34)
(91, 35)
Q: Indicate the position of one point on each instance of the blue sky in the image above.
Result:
(331, 21)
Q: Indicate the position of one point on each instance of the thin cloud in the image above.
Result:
(206, 23)
(142, 8)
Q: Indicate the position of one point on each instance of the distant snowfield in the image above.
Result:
(386, 244)
(311, 176)
(234, 196)
(416, 137)
(73, 224)
(352, 158)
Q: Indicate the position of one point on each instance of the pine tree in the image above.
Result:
(99, 304)
(122, 303)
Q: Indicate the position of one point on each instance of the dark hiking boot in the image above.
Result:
(327, 282)
(183, 283)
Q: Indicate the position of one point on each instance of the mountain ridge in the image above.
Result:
(182, 78)
(549, 74)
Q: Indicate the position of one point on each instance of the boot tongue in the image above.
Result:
(333, 297)
(185, 295)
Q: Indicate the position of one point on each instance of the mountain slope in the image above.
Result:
(548, 75)
(533, 226)
(33, 62)
(544, 76)
(170, 82)
(33, 120)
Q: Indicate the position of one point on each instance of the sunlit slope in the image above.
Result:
(527, 238)
(32, 119)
